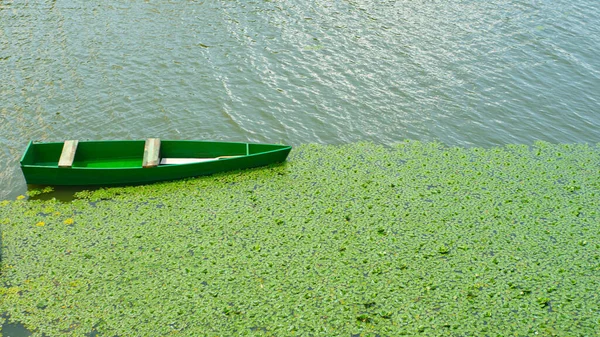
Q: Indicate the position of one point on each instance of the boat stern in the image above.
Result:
(28, 156)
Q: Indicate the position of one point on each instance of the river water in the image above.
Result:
(461, 72)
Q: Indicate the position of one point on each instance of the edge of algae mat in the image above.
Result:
(416, 238)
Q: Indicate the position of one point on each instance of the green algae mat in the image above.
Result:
(353, 240)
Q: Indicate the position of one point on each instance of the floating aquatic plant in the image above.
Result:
(415, 239)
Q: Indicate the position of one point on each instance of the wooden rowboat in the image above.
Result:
(136, 162)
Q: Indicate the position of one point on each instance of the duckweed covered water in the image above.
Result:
(412, 239)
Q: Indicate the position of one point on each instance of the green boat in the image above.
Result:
(122, 162)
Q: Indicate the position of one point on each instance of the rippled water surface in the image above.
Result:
(466, 73)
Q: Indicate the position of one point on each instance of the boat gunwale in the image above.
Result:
(31, 143)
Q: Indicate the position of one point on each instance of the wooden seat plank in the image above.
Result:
(68, 153)
(151, 152)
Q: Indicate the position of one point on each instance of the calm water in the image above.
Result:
(466, 73)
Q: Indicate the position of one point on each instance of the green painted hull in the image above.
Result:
(119, 162)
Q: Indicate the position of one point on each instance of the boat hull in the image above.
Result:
(120, 162)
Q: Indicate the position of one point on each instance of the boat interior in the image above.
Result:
(134, 154)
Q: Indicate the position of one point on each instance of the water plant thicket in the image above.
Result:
(358, 239)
